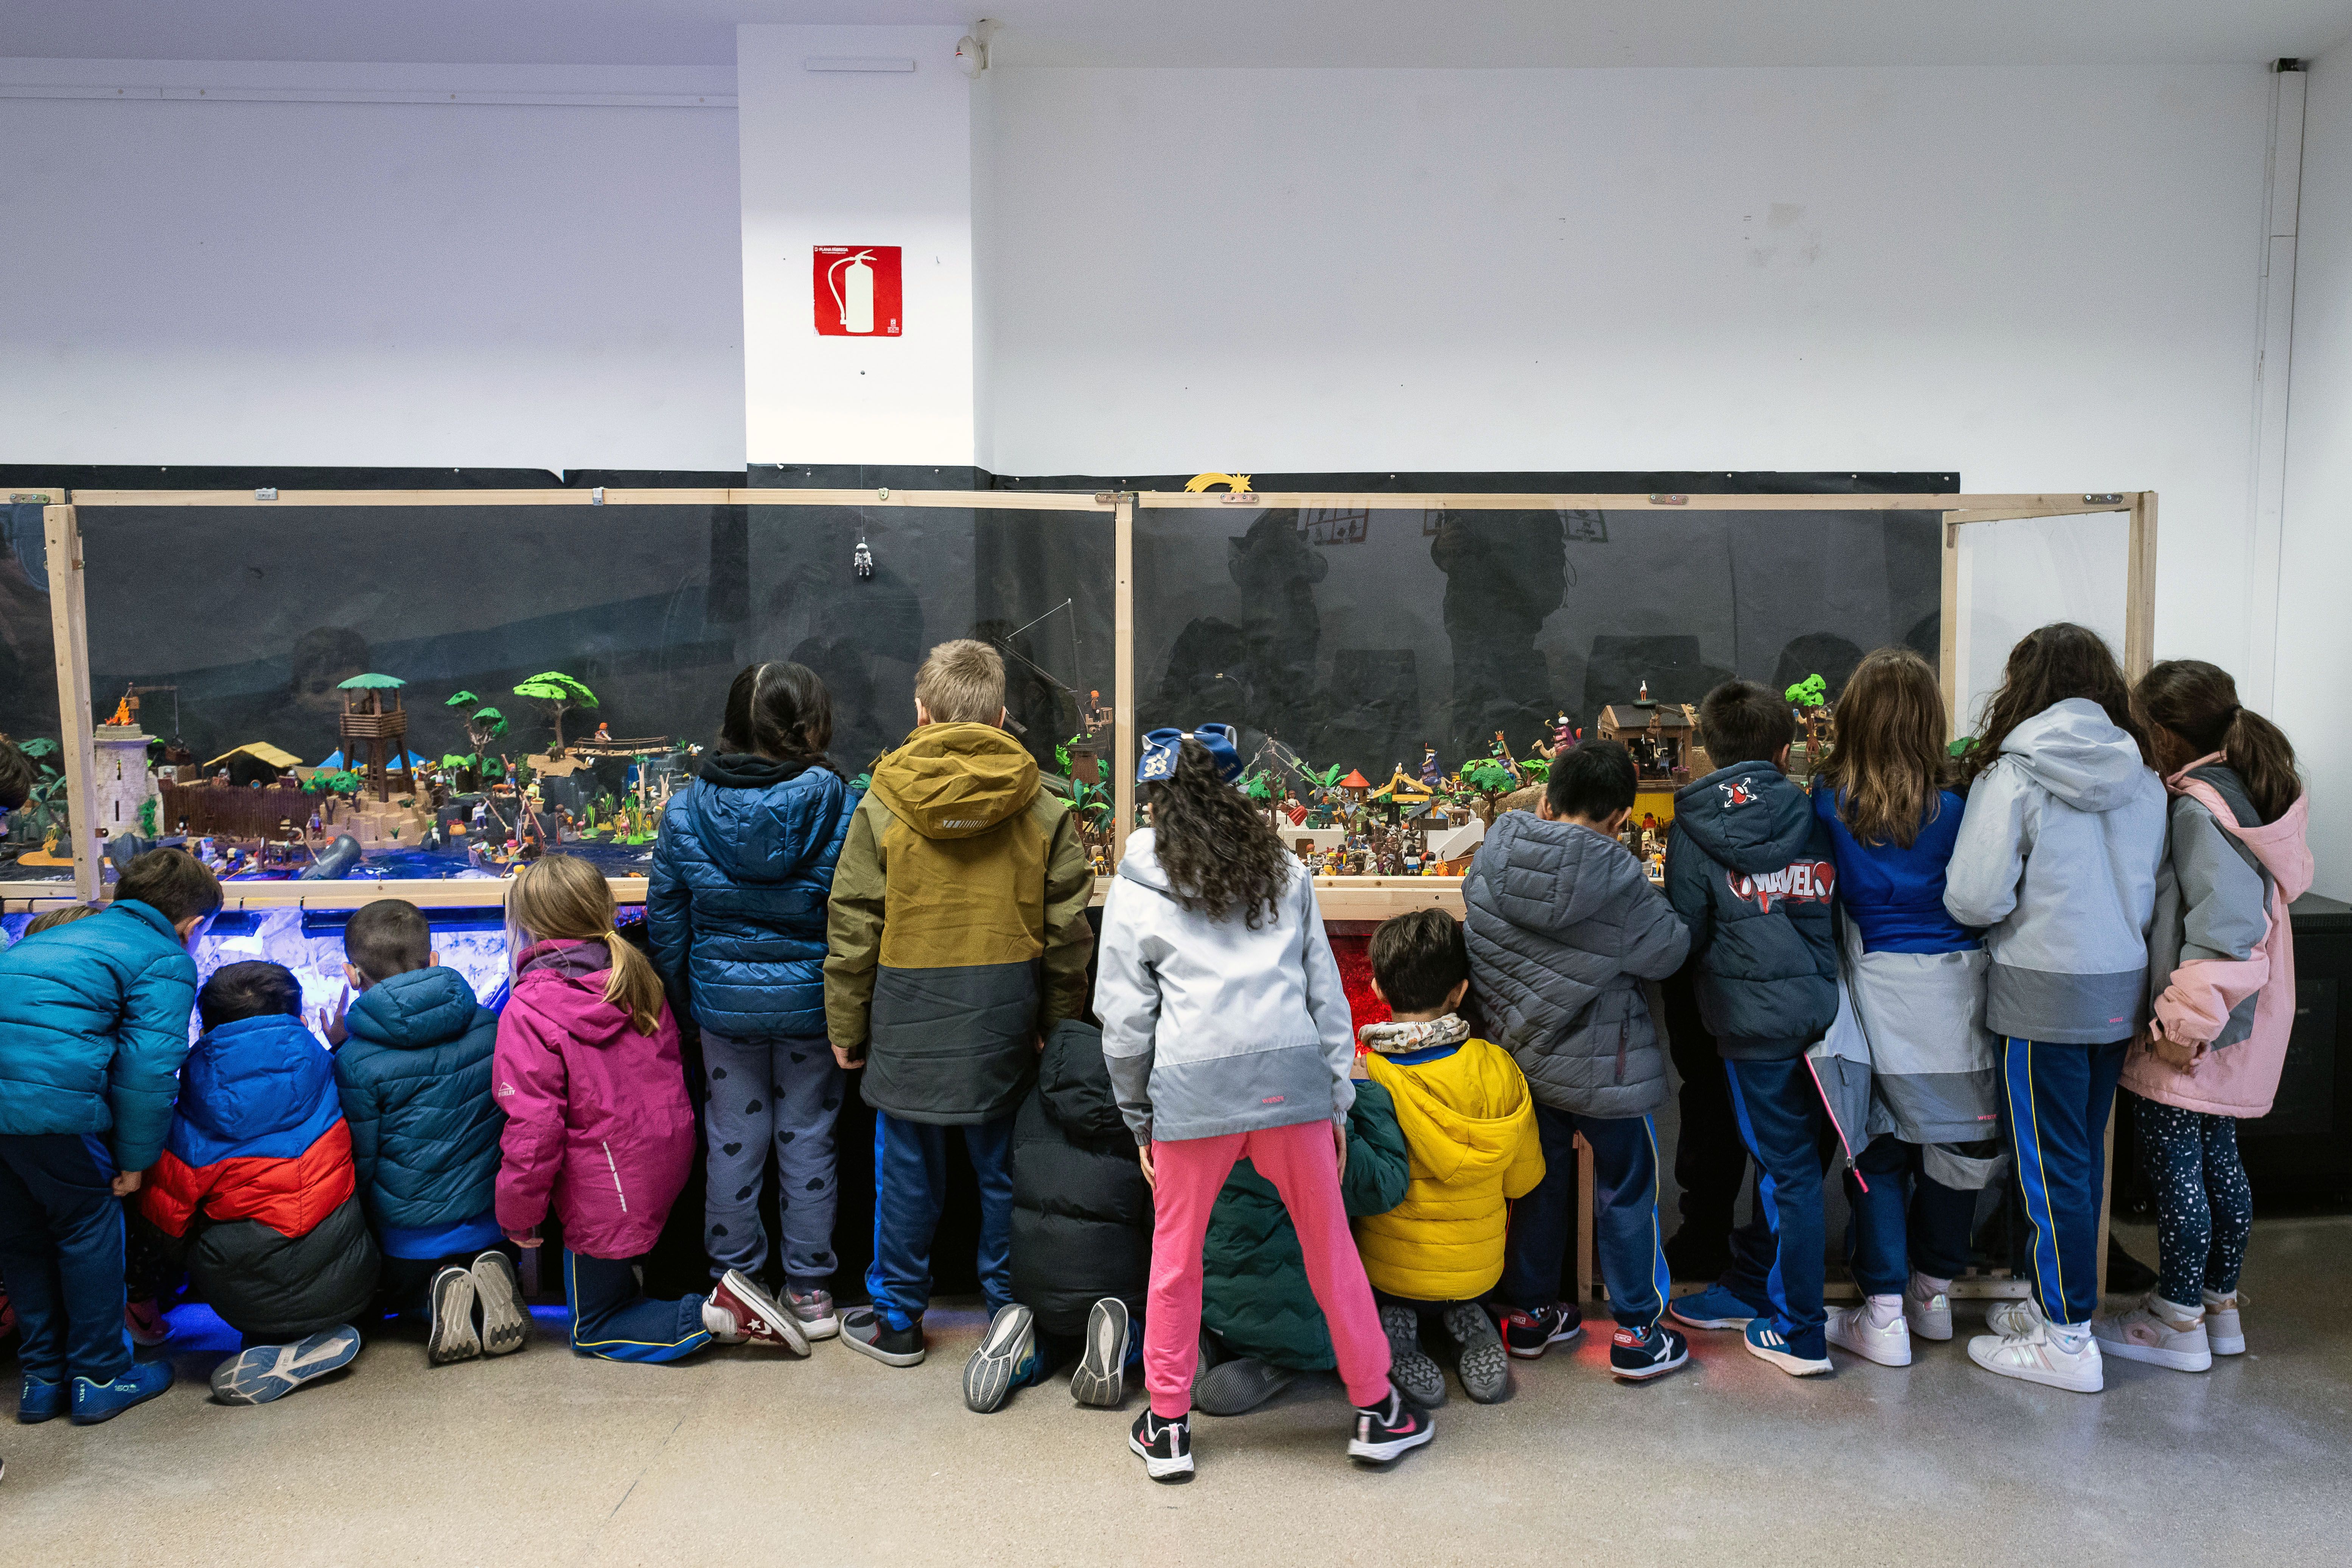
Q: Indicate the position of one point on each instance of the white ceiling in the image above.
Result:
(1206, 32)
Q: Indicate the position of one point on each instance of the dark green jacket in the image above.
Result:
(1253, 1290)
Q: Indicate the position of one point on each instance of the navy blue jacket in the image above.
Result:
(414, 1077)
(736, 904)
(1750, 869)
(93, 1027)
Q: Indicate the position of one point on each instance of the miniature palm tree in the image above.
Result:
(561, 693)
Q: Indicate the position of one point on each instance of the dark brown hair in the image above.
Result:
(1419, 958)
(386, 938)
(780, 710)
(15, 775)
(254, 989)
(171, 882)
(1220, 858)
(2047, 666)
(1593, 780)
(1741, 721)
(1888, 763)
(2199, 703)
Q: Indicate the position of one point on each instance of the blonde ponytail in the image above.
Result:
(562, 898)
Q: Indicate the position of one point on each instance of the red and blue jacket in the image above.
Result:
(259, 1133)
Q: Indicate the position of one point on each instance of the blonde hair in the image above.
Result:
(1888, 765)
(961, 682)
(49, 920)
(562, 898)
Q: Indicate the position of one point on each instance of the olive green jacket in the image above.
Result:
(957, 934)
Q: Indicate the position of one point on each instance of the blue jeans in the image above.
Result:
(613, 1318)
(911, 1181)
(61, 1254)
(2059, 1097)
(1906, 1220)
(1776, 1266)
(1543, 1223)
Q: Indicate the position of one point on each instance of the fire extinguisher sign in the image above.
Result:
(857, 292)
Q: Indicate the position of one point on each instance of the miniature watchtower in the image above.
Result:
(125, 783)
(372, 712)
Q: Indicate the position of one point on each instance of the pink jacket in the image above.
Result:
(2240, 1076)
(597, 1118)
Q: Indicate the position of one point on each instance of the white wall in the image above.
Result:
(2044, 280)
(2315, 604)
(549, 285)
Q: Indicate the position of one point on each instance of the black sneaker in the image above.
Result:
(1525, 1334)
(1387, 1430)
(1166, 1447)
(1637, 1353)
(868, 1333)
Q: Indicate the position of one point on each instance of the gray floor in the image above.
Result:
(543, 1457)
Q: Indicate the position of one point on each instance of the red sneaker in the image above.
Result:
(757, 1316)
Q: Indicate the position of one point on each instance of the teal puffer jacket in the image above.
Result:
(1253, 1290)
(93, 1027)
(414, 1077)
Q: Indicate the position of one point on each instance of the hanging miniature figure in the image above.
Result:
(862, 559)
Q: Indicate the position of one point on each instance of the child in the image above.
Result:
(256, 1188)
(1918, 979)
(1225, 1027)
(1748, 869)
(736, 907)
(414, 1071)
(1470, 1126)
(1564, 929)
(93, 1027)
(2222, 961)
(1258, 1314)
(958, 938)
(1081, 1235)
(598, 1126)
(2059, 856)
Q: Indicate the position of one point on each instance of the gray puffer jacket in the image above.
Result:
(1563, 931)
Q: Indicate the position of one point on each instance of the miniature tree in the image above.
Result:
(559, 693)
(1490, 781)
(483, 725)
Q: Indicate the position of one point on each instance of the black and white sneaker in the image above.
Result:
(1166, 1447)
(1387, 1430)
(1527, 1334)
(1638, 1353)
(1101, 1377)
(449, 1310)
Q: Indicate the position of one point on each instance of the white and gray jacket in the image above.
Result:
(1210, 1027)
(2059, 857)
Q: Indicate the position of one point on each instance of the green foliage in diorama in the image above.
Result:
(559, 693)
(1811, 692)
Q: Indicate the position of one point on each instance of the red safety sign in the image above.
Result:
(857, 290)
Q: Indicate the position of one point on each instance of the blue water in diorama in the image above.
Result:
(395, 864)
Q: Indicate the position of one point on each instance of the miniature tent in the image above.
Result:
(260, 752)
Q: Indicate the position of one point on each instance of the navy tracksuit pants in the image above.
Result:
(2058, 1098)
(61, 1254)
(1905, 1219)
(911, 1187)
(1543, 1223)
(614, 1318)
(1775, 1258)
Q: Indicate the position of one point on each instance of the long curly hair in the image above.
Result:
(1220, 856)
(2047, 666)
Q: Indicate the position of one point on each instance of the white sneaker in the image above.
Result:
(1875, 1330)
(2010, 1318)
(2039, 1357)
(2223, 1331)
(1928, 1312)
(2151, 1333)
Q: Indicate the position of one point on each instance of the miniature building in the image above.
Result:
(124, 780)
(384, 729)
(1663, 737)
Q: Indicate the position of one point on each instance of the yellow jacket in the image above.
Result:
(1470, 1126)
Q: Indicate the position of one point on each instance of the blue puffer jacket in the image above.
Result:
(93, 1027)
(414, 1077)
(736, 906)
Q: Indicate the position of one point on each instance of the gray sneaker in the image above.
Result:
(506, 1316)
(1101, 1377)
(814, 1309)
(1234, 1388)
(1414, 1373)
(1485, 1366)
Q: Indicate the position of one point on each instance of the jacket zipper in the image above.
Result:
(1623, 1026)
(616, 1176)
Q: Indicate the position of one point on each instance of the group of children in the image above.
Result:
(1941, 965)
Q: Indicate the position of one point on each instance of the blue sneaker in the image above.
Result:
(1713, 1308)
(1765, 1344)
(140, 1382)
(272, 1371)
(42, 1399)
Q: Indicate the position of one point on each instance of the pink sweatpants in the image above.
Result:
(1302, 1164)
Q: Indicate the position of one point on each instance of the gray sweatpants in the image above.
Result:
(784, 1095)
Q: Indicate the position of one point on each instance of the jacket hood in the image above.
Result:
(1075, 1084)
(2281, 846)
(955, 781)
(1139, 862)
(415, 1010)
(2076, 753)
(1446, 1142)
(748, 770)
(1596, 873)
(576, 1000)
(258, 1076)
(1749, 817)
(765, 824)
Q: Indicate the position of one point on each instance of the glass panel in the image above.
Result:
(2023, 573)
(250, 621)
(28, 699)
(1364, 639)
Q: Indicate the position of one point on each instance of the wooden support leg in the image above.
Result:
(1586, 1233)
